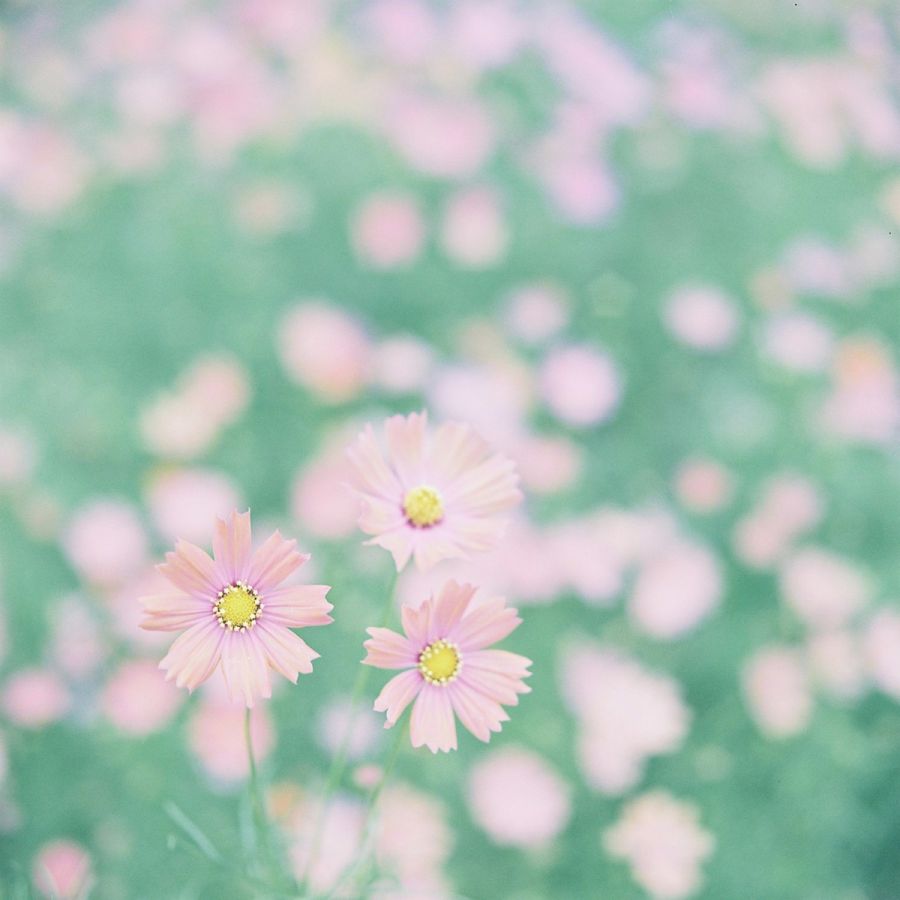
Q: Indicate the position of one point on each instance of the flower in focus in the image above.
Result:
(233, 611)
(431, 497)
(448, 668)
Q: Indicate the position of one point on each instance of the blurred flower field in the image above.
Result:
(648, 252)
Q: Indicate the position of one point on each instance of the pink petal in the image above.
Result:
(194, 655)
(378, 516)
(432, 722)
(303, 606)
(488, 623)
(456, 448)
(174, 611)
(406, 446)
(496, 674)
(372, 473)
(273, 562)
(416, 623)
(449, 607)
(485, 490)
(231, 547)
(399, 543)
(397, 694)
(479, 714)
(285, 651)
(190, 569)
(244, 667)
(389, 650)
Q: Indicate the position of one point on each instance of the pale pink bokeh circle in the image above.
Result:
(62, 870)
(387, 230)
(702, 317)
(518, 798)
(35, 697)
(581, 385)
(137, 699)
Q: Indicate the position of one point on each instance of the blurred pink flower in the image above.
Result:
(216, 737)
(207, 397)
(548, 465)
(77, 646)
(105, 541)
(413, 840)
(486, 34)
(474, 233)
(703, 485)
(402, 364)
(676, 590)
(18, 456)
(580, 385)
(387, 230)
(881, 649)
(431, 498)
(584, 563)
(590, 66)
(233, 613)
(33, 698)
(447, 138)
(824, 590)
(492, 397)
(664, 844)
(339, 844)
(836, 662)
(584, 191)
(325, 350)
(448, 668)
(814, 266)
(702, 317)
(320, 499)
(864, 404)
(537, 312)
(332, 725)
(62, 870)
(405, 30)
(777, 691)
(626, 714)
(183, 501)
(789, 505)
(137, 699)
(518, 798)
(798, 341)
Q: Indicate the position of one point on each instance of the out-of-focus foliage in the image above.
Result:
(649, 250)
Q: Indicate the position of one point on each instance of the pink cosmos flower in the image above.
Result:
(234, 613)
(432, 499)
(448, 668)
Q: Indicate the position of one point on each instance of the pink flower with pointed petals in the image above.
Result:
(233, 613)
(431, 497)
(448, 668)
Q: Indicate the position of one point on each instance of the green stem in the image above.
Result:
(272, 866)
(339, 763)
(367, 826)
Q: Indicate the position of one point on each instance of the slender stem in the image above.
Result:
(256, 801)
(368, 821)
(273, 864)
(339, 763)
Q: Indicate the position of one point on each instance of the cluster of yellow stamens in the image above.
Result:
(440, 662)
(238, 607)
(423, 506)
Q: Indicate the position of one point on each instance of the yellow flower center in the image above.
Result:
(423, 506)
(238, 607)
(440, 662)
